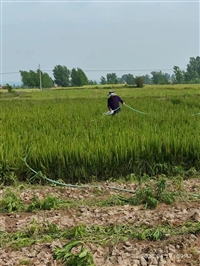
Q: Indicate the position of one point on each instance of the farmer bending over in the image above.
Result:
(113, 102)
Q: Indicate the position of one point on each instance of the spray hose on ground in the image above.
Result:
(135, 109)
(84, 186)
(195, 114)
(74, 186)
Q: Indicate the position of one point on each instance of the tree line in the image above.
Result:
(63, 77)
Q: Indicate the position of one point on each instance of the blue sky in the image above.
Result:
(98, 36)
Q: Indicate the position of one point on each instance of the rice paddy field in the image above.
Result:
(85, 189)
(64, 134)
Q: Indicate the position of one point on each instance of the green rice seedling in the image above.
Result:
(167, 197)
(160, 186)
(48, 203)
(34, 233)
(138, 198)
(151, 203)
(76, 232)
(154, 234)
(83, 257)
(21, 242)
(22, 187)
(33, 229)
(178, 182)
(140, 179)
(36, 228)
(7, 174)
(192, 172)
(113, 200)
(188, 227)
(10, 202)
(144, 196)
(178, 170)
(34, 205)
(150, 196)
(130, 178)
(101, 235)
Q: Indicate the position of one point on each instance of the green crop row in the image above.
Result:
(70, 139)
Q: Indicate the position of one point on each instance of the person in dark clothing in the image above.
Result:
(113, 102)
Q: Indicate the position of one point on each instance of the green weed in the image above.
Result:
(10, 202)
(82, 257)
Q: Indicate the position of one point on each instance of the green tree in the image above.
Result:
(103, 80)
(61, 76)
(155, 77)
(78, 77)
(146, 78)
(31, 79)
(120, 80)
(92, 82)
(83, 77)
(111, 78)
(8, 87)
(167, 76)
(139, 82)
(34, 78)
(47, 81)
(74, 77)
(179, 77)
(124, 78)
(129, 79)
(158, 77)
(28, 78)
(193, 70)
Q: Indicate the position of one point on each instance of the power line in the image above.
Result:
(104, 70)
(9, 73)
(100, 70)
(119, 70)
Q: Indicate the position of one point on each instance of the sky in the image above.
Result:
(100, 37)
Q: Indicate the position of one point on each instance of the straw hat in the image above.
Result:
(111, 93)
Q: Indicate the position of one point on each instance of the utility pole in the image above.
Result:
(40, 78)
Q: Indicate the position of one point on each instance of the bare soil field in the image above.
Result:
(99, 207)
